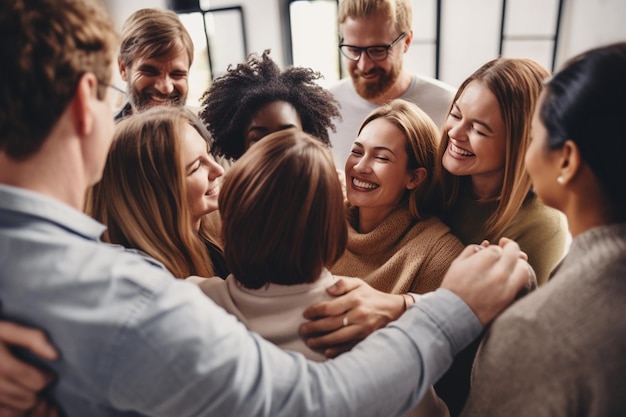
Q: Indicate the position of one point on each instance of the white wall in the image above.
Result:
(470, 28)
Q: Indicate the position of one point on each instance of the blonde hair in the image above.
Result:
(422, 136)
(399, 12)
(283, 217)
(142, 195)
(516, 83)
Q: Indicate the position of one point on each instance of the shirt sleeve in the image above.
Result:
(184, 356)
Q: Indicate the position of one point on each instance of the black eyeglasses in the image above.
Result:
(374, 52)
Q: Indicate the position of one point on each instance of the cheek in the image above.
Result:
(182, 86)
(140, 83)
(195, 189)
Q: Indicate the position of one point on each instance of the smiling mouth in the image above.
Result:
(213, 191)
(363, 184)
(459, 151)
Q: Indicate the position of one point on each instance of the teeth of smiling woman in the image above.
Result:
(362, 184)
(460, 151)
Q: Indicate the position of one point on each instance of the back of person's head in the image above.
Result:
(233, 98)
(516, 83)
(153, 33)
(47, 46)
(142, 197)
(283, 217)
(585, 102)
(399, 12)
(422, 136)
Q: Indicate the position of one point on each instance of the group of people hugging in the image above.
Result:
(243, 199)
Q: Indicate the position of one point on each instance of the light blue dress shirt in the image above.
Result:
(136, 341)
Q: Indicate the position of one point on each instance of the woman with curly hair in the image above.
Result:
(256, 98)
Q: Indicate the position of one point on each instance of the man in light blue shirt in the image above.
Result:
(132, 339)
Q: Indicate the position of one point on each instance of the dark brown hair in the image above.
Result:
(46, 47)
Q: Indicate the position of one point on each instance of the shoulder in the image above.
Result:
(423, 81)
(537, 218)
(342, 86)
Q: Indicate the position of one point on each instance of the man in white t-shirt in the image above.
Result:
(375, 35)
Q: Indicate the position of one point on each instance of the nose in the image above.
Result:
(457, 131)
(164, 85)
(215, 170)
(361, 164)
(364, 63)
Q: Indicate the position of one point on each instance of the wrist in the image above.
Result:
(408, 301)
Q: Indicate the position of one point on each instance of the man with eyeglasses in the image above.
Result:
(375, 35)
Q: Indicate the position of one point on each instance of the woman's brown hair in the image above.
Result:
(283, 217)
(516, 83)
(142, 196)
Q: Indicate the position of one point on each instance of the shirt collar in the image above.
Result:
(28, 203)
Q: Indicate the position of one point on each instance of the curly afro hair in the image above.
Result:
(228, 105)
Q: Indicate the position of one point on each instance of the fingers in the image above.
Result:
(488, 279)
(10, 412)
(333, 307)
(345, 285)
(44, 409)
(504, 240)
(19, 381)
(30, 339)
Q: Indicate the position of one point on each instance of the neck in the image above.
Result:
(487, 187)
(53, 171)
(370, 218)
(586, 211)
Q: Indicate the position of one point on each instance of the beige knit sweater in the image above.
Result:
(401, 254)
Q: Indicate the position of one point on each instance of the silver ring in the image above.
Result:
(345, 321)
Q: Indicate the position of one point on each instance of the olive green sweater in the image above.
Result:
(539, 230)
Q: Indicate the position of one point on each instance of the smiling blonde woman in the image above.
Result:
(395, 243)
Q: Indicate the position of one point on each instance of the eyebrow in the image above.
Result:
(376, 148)
(480, 122)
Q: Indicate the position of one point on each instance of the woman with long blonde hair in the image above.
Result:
(159, 182)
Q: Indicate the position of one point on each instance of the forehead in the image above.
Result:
(382, 133)
(479, 100)
(374, 30)
(192, 143)
(275, 113)
(176, 58)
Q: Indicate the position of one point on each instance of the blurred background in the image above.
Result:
(452, 38)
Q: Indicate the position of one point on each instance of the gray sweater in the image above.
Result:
(561, 351)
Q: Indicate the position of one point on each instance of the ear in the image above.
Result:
(123, 69)
(571, 161)
(418, 176)
(82, 103)
(407, 40)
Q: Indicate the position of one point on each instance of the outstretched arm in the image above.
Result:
(337, 325)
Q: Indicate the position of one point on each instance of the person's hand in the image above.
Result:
(488, 277)
(339, 324)
(20, 382)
